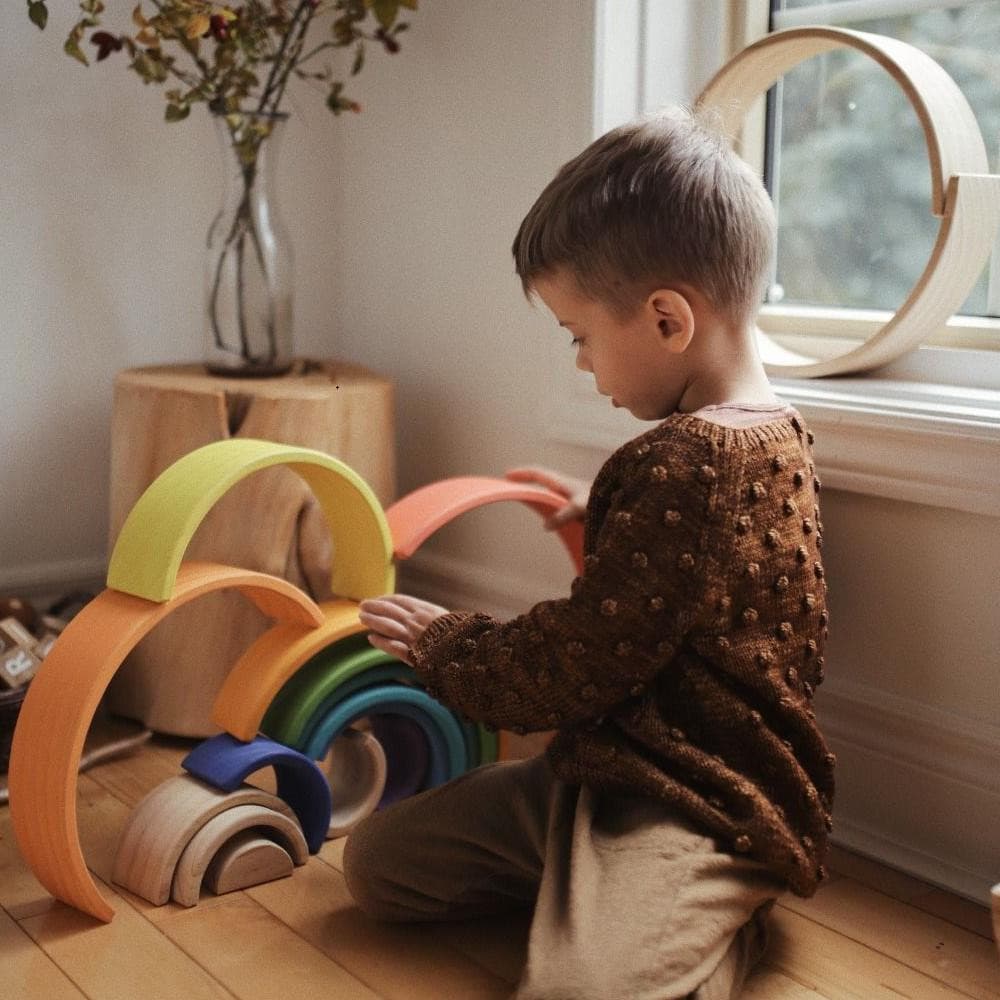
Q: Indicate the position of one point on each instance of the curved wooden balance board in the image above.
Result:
(272, 660)
(963, 195)
(159, 527)
(225, 762)
(64, 696)
(356, 773)
(414, 518)
(166, 822)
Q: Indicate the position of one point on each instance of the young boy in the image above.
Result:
(687, 785)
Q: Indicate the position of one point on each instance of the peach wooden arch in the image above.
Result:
(963, 194)
(159, 527)
(64, 695)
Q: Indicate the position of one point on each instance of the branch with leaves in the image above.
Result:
(236, 58)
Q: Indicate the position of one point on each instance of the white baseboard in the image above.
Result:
(901, 760)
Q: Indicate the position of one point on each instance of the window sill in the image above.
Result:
(925, 443)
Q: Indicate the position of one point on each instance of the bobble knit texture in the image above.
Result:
(684, 662)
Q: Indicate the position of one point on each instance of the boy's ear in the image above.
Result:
(674, 318)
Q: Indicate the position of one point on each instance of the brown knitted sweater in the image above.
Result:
(684, 661)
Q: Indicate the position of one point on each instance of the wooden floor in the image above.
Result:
(869, 933)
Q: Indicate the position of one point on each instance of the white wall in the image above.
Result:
(403, 219)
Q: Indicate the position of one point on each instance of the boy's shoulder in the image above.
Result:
(721, 426)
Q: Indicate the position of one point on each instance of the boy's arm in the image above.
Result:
(569, 660)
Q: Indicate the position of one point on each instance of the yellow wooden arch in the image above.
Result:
(156, 533)
(63, 697)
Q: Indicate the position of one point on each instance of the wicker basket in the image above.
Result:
(10, 705)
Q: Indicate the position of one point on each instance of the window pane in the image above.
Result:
(848, 164)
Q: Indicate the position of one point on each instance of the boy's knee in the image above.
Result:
(364, 874)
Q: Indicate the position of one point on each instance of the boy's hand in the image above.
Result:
(397, 621)
(576, 492)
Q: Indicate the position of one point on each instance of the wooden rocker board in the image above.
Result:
(205, 844)
(64, 696)
(224, 762)
(271, 661)
(963, 194)
(162, 825)
(156, 532)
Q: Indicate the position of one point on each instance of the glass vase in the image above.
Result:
(248, 276)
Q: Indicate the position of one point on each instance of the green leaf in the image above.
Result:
(38, 13)
(72, 48)
(386, 12)
(359, 59)
(177, 112)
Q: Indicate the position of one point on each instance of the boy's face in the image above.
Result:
(628, 358)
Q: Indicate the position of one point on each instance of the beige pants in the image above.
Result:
(630, 903)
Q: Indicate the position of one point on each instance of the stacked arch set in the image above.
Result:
(291, 696)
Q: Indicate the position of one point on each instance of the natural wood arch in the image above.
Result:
(64, 695)
(160, 828)
(202, 848)
(159, 527)
(963, 194)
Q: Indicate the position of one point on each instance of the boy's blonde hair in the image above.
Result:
(658, 201)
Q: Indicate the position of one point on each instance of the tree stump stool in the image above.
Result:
(269, 522)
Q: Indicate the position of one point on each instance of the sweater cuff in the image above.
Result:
(438, 629)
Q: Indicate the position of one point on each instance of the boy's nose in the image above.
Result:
(582, 363)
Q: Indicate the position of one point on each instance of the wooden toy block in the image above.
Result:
(246, 860)
(224, 762)
(262, 670)
(156, 532)
(18, 660)
(416, 517)
(65, 693)
(23, 610)
(963, 194)
(356, 773)
(162, 825)
(45, 644)
(205, 844)
(17, 666)
(444, 735)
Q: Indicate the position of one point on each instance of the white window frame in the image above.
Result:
(925, 429)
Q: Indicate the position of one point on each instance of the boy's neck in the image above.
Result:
(724, 366)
